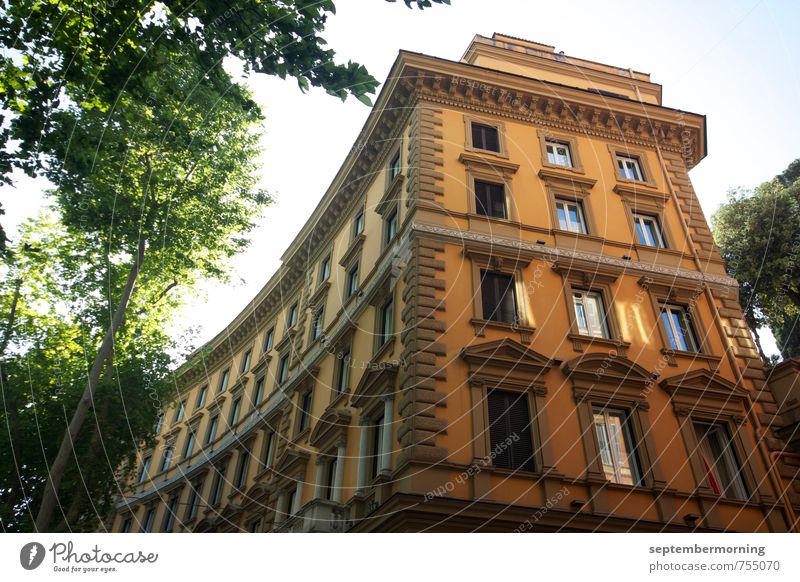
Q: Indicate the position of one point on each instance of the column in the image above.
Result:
(363, 451)
(320, 476)
(386, 435)
(298, 494)
(338, 475)
(280, 508)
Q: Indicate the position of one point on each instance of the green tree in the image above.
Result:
(758, 234)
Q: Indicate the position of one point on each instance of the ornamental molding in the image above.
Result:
(553, 254)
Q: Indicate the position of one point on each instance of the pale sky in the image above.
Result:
(736, 62)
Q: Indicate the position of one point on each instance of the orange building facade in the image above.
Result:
(507, 313)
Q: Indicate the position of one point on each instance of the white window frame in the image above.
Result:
(145, 470)
(582, 298)
(690, 343)
(166, 460)
(317, 323)
(609, 445)
(181, 412)
(630, 164)
(188, 448)
(553, 157)
(736, 487)
(569, 225)
(394, 167)
(639, 222)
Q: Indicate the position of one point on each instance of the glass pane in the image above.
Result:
(594, 315)
(640, 232)
(665, 318)
(622, 454)
(562, 217)
(680, 337)
(574, 218)
(603, 446)
(580, 315)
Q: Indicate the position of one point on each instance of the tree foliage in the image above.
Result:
(758, 234)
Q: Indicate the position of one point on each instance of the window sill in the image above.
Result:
(671, 355)
(385, 347)
(301, 435)
(578, 341)
(646, 184)
(560, 168)
(525, 332)
(337, 398)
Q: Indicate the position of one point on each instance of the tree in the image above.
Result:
(758, 234)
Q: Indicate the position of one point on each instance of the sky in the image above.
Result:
(738, 63)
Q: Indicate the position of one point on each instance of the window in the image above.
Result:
(223, 380)
(377, 445)
(149, 518)
(283, 369)
(343, 373)
(201, 396)
(167, 459)
(648, 231)
(490, 199)
(498, 297)
(386, 322)
(317, 320)
(216, 489)
(590, 314)
(126, 525)
(510, 430)
(292, 319)
(145, 468)
(570, 216)
(558, 153)
(269, 449)
(352, 280)
(241, 469)
(193, 504)
(269, 339)
(629, 168)
(159, 423)
(258, 391)
(304, 418)
(255, 526)
(246, 361)
(325, 268)
(485, 137)
(678, 325)
(394, 167)
(188, 448)
(181, 411)
(616, 446)
(169, 516)
(330, 479)
(290, 502)
(235, 408)
(390, 228)
(212, 429)
(358, 223)
(720, 464)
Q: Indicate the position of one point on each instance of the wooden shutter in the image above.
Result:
(509, 416)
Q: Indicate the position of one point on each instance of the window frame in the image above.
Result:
(149, 520)
(601, 309)
(640, 156)
(144, 470)
(202, 394)
(212, 429)
(305, 402)
(283, 370)
(580, 211)
(571, 142)
(640, 217)
(484, 273)
(269, 340)
(244, 365)
(628, 440)
(690, 339)
(391, 225)
(352, 280)
(166, 458)
(224, 380)
(735, 467)
(317, 322)
(499, 126)
(258, 391)
(292, 316)
(235, 412)
(530, 465)
(476, 180)
(180, 413)
(325, 268)
(359, 223)
(394, 170)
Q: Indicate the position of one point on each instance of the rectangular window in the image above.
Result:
(216, 489)
(269, 339)
(193, 504)
(169, 516)
(648, 231)
(325, 269)
(149, 518)
(616, 445)
(305, 412)
(235, 409)
(283, 369)
(386, 329)
(145, 468)
(258, 392)
(490, 199)
(723, 472)
(629, 168)
(485, 137)
(358, 223)
(498, 297)
(255, 526)
(352, 280)
(390, 229)
(269, 449)
(246, 361)
(343, 373)
(590, 314)
(181, 411)
(317, 321)
(558, 153)
(510, 430)
(201, 396)
(570, 216)
(212, 429)
(188, 448)
(241, 469)
(377, 445)
(166, 459)
(291, 321)
(126, 525)
(223, 380)
(159, 423)
(330, 479)
(290, 502)
(680, 332)
(394, 167)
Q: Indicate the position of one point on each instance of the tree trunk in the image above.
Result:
(757, 339)
(56, 473)
(12, 315)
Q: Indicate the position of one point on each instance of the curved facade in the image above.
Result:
(506, 314)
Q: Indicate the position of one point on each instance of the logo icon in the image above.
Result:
(31, 555)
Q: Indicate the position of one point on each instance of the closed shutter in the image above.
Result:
(498, 297)
(510, 430)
